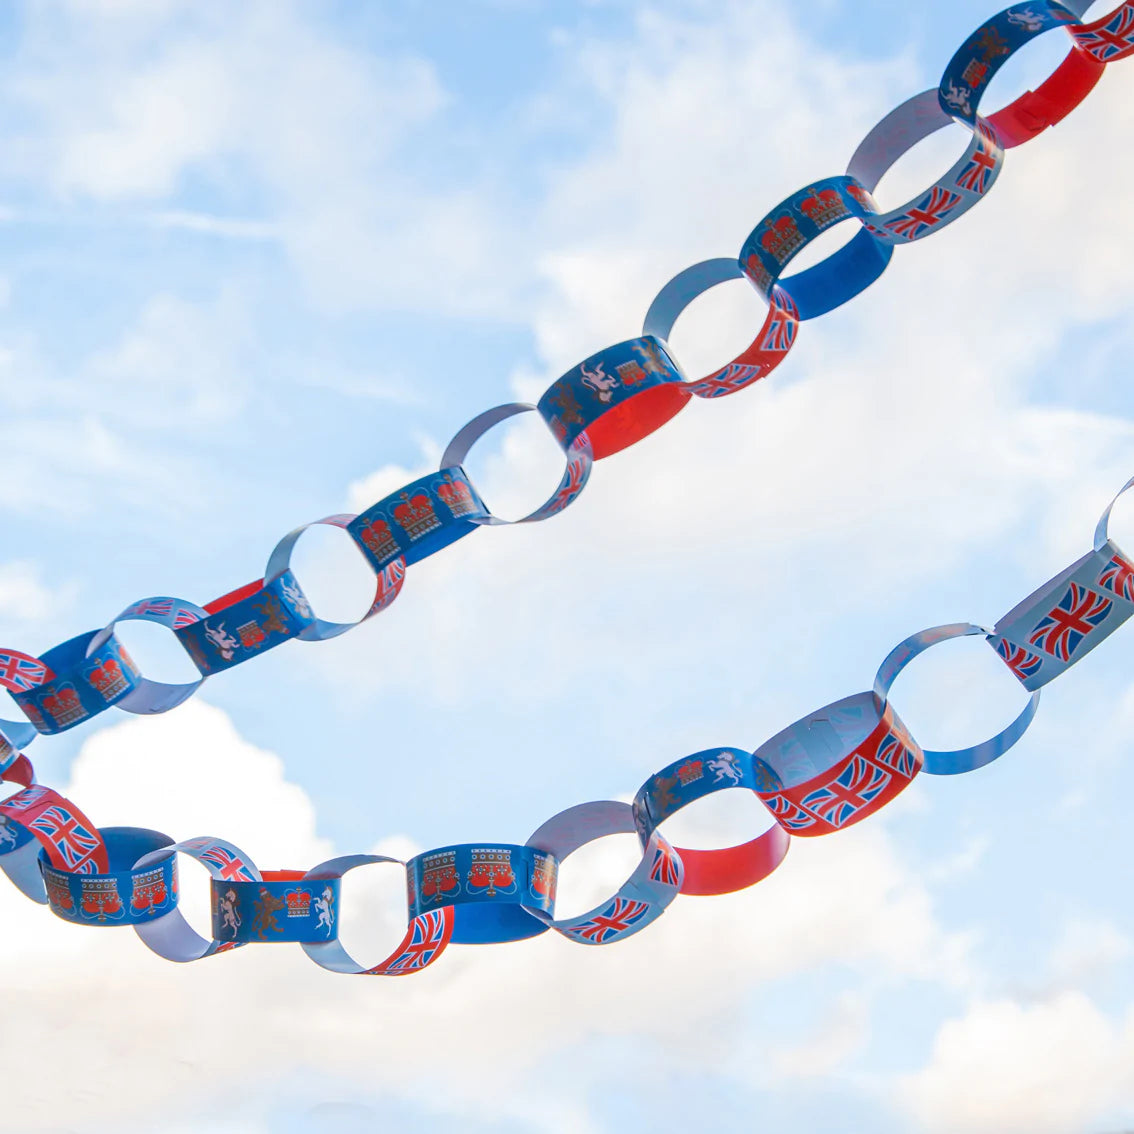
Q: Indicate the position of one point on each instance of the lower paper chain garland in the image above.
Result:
(822, 774)
(829, 770)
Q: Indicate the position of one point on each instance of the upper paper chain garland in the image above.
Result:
(827, 771)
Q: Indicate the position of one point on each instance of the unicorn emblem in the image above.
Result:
(1026, 19)
(958, 98)
(296, 599)
(599, 381)
(223, 641)
(725, 767)
(7, 833)
(230, 919)
(325, 904)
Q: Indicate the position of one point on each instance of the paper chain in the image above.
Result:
(826, 772)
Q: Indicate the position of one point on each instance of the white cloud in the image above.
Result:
(1048, 1068)
(24, 596)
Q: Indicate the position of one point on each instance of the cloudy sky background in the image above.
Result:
(260, 262)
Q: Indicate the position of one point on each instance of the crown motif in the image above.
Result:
(757, 273)
(379, 539)
(630, 373)
(690, 772)
(108, 679)
(863, 198)
(251, 635)
(58, 891)
(6, 749)
(491, 868)
(438, 874)
(781, 238)
(100, 898)
(149, 890)
(416, 515)
(298, 903)
(544, 872)
(823, 207)
(63, 706)
(456, 496)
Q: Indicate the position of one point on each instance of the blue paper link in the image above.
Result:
(951, 763)
(579, 462)
(275, 614)
(953, 195)
(171, 936)
(272, 910)
(794, 224)
(164, 610)
(599, 384)
(389, 581)
(419, 519)
(968, 74)
(123, 896)
(87, 681)
(641, 900)
(498, 890)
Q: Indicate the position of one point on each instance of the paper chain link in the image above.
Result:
(822, 774)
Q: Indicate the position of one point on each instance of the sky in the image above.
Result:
(259, 263)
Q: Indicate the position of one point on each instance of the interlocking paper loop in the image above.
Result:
(831, 769)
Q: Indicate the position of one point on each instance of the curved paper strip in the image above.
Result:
(20, 673)
(426, 938)
(1067, 617)
(971, 69)
(246, 623)
(645, 895)
(942, 203)
(726, 869)
(154, 696)
(767, 350)
(87, 681)
(171, 936)
(10, 749)
(963, 759)
(419, 519)
(835, 766)
(1111, 38)
(578, 471)
(278, 908)
(499, 891)
(615, 397)
(72, 842)
(388, 585)
(121, 895)
(793, 224)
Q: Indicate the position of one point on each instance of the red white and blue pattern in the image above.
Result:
(1078, 614)
(27, 799)
(895, 754)
(1023, 663)
(924, 216)
(574, 480)
(782, 324)
(75, 846)
(976, 177)
(20, 673)
(613, 921)
(428, 935)
(1118, 578)
(838, 801)
(787, 813)
(667, 867)
(728, 380)
(1110, 39)
(229, 866)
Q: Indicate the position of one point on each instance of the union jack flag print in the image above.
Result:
(929, 212)
(728, 380)
(75, 846)
(20, 673)
(894, 754)
(1111, 39)
(574, 479)
(614, 921)
(1023, 663)
(230, 866)
(787, 813)
(1079, 612)
(428, 935)
(158, 607)
(667, 868)
(782, 324)
(852, 789)
(977, 174)
(1118, 578)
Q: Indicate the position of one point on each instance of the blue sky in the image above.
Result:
(260, 263)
